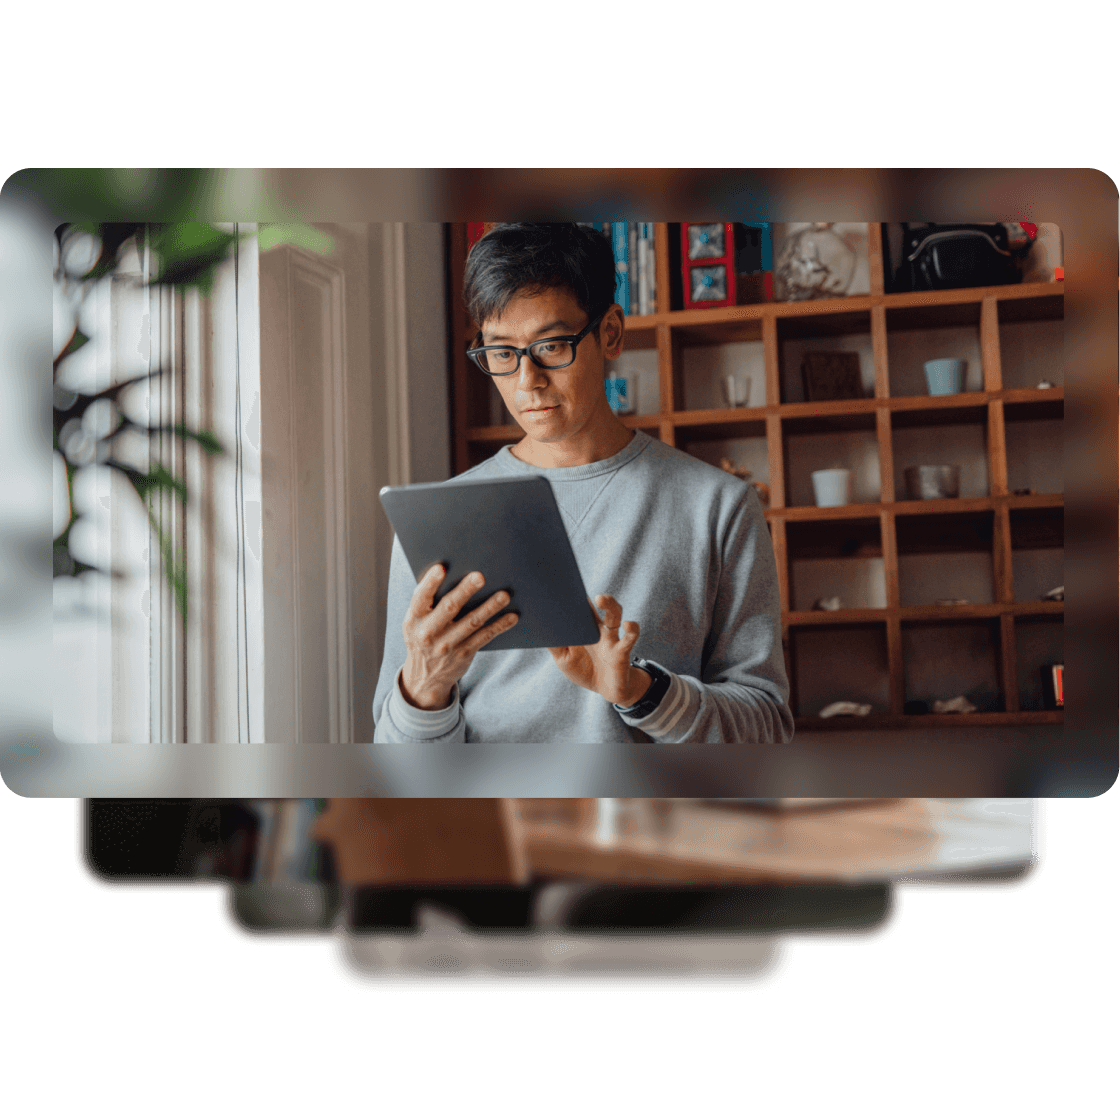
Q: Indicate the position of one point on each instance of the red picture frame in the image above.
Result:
(727, 260)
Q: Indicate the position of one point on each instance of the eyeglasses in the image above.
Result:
(548, 353)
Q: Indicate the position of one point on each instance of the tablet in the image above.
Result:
(510, 530)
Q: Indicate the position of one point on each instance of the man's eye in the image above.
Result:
(501, 355)
(549, 347)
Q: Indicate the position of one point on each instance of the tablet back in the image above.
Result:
(511, 531)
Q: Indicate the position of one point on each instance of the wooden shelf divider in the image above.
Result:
(879, 351)
(781, 560)
(775, 451)
(989, 345)
(875, 258)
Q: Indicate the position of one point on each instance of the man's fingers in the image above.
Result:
(426, 588)
(628, 637)
(454, 601)
(467, 625)
(611, 616)
(506, 622)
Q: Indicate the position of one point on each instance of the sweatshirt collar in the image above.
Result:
(512, 465)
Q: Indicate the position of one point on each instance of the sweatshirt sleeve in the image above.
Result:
(743, 696)
(395, 720)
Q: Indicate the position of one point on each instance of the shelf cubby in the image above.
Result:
(1038, 640)
(945, 556)
(842, 557)
(839, 660)
(959, 437)
(837, 331)
(703, 365)
(1035, 448)
(1030, 348)
(947, 658)
(741, 439)
(818, 442)
(1037, 551)
(916, 335)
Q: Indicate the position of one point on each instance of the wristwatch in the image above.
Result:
(658, 686)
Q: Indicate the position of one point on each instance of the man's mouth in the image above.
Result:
(540, 408)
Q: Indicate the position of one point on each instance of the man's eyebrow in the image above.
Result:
(540, 330)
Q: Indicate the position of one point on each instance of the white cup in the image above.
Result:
(832, 487)
(736, 389)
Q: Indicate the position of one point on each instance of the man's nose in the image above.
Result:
(529, 374)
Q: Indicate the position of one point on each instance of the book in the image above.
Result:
(620, 241)
(646, 304)
(635, 278)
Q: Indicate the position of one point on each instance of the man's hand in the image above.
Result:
(605, 667)
(440, 650)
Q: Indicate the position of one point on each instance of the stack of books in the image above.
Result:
(635, 266)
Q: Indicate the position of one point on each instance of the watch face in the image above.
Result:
(658, 686)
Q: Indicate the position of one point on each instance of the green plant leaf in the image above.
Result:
(63, 562)
(174, 567)
(158, 479)
(206, 440)
(105, 192)
(270, 235)
(76, 343)
(189, 252)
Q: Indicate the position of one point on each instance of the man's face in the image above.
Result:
(553, 405)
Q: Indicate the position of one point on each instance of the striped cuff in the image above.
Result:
(417, 723)
(666, 717)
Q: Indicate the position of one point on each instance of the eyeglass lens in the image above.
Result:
(552, 354)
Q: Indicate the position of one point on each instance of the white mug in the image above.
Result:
(736, 389)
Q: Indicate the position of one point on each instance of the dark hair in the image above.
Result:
(522, 256)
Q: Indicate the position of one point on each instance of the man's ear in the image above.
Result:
(610, 332)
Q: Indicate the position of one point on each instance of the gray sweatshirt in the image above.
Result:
(684, 547)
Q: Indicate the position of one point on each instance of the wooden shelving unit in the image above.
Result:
(899, 642)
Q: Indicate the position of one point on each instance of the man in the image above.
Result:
(682, 546)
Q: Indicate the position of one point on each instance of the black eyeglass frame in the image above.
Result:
(573, 340)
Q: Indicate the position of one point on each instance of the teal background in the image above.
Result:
(143, 1005)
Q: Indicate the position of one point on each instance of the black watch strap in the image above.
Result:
(652, 697)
